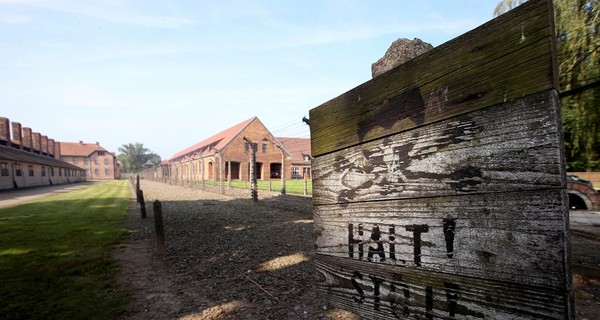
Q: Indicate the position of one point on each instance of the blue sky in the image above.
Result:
(172, 73)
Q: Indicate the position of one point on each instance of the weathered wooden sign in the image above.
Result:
(439, 186)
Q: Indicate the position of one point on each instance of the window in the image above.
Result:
(30, 169)
(60, 172)
(4, 169)
(74, 160)
(295, 171)
(100, 153)
(52, 171)
(306, 157)
(106, 172)
(97, 171)
(264, 148)
(43, 171)
(86, 161)
(96, 161)
(106, 161)
(245, 146)
(64, 159)
(18, 172)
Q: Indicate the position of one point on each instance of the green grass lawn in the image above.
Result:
(291, 186)
(55, 258)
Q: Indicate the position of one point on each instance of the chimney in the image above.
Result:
(51, 148)
(57, 154)
(37, 142)
(45, 145)
(97, 143)
(27, 142)
(17, 137)
(4, 131)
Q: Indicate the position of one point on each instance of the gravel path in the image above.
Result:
(226, 258)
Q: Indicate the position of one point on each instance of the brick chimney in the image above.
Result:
(57, 154)
(17, 135)
(27, 139)
(4, 131)
(37, 142)
(45, 145)
(51, 148)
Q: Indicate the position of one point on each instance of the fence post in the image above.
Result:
(142, 203)
(159, 228)
(253, 187)
(305, 185)
(137, 187)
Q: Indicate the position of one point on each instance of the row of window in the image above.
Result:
(19, 171)
(86, 161)
(107, 172)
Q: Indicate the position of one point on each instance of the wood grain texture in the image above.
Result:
(507, 147)
(392, 292)
(507, 58)
(516, 236)
(439, 187)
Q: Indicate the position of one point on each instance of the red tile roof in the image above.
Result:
(216, 142)
(79, 148)
(297, 147)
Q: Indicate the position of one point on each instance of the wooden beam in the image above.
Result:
(507, 58)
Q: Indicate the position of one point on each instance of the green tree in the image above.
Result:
(578, 47)
(133, 156)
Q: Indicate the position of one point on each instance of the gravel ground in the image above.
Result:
(230, 258)
(226, 258)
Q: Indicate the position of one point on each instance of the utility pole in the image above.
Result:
(253, 189)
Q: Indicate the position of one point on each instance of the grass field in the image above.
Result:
(55, 255)
(291, 186)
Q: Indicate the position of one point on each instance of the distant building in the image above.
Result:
(98, 163)
(300, 164)
(30, 159)
(226, 155)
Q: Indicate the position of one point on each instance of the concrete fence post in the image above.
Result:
(159, 228)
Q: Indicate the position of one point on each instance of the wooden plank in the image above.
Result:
(509, 57)
(512, 146)
(515, 237)
(391, 292)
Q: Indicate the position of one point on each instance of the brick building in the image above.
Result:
(226, 156)
(98, 163)
(30, 159)
(300, 165)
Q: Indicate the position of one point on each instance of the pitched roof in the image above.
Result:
(79, 148)
(216, 142)
(14, 154)
(297, 147)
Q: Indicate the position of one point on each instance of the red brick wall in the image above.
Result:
(17, 134)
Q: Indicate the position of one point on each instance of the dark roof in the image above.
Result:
(8, 153)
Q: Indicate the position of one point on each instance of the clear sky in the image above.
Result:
(169, 74)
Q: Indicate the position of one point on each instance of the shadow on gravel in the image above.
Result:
(238, 259)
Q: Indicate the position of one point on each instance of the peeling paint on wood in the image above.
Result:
(511, 146)
(439, 187)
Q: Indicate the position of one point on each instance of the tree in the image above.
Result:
(133, 156)
(578, 48)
